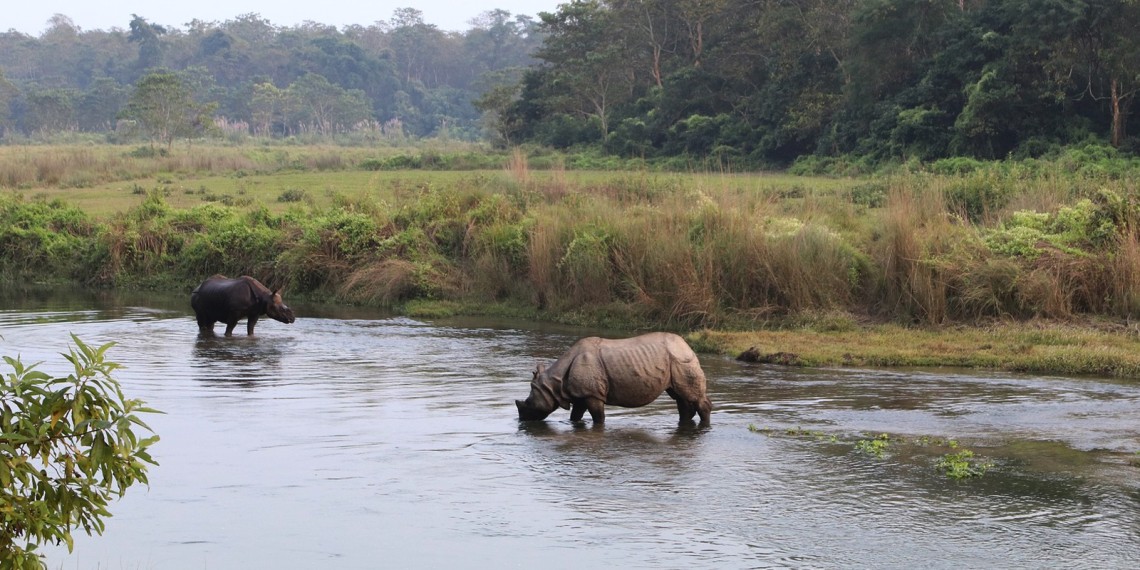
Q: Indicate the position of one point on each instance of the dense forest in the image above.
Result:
(748, 82)
(247, 77)
(768, 81)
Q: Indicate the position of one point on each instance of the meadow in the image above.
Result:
(976, 260)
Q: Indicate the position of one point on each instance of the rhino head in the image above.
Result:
(277, 309)
(545, 396)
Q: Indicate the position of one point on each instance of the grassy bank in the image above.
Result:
(911, 269)
(1066, 348)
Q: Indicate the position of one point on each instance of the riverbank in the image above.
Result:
(1012, 266)
(1076, 347)
(1041, 347)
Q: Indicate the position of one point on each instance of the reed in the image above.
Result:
(1125, 275)
(679, 250)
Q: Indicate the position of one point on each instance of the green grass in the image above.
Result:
(1071, 348)
(996, 268)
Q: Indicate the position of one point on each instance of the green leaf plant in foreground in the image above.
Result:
(68, 446)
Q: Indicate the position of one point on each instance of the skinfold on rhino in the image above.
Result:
(629, 372)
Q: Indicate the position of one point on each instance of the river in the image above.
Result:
(354, 439)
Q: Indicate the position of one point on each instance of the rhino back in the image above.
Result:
(627, 372)
(223, 298)
(559, 368)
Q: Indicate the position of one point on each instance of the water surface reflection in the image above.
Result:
(357, 441)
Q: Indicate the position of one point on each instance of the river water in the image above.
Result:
(357, 440)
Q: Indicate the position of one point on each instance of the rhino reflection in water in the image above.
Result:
(628, 372)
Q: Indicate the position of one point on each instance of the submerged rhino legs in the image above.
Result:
(688, 408)
(596, 407)
(685, 409)
(577, 410)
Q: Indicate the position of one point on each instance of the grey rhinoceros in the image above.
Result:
(629, 372)
(230, 300)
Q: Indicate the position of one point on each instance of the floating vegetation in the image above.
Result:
(876, 446)
(958, 463)
(962, 465)
(795, 432)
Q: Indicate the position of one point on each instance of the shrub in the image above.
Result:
(292, 195)
(68, 446)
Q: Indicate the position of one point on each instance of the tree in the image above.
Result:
(163, 104)
(98, 107)
(325, 108)
(413, 41)
(267, 108)
(68, 446)
(694, 15)
(150, 47)
(650, 28)
(587, 60)
(1102, 50)
(50, 111)
(8, 94)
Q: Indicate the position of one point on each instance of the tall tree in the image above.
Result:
(164, 106)
(1101, 50)
(147, 36)
(587, 61)
(651, 28)
(8, 94)
(51, 111)
(325, 108)
(99, 106)
(414, 42)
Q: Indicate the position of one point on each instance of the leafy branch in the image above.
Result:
(68, 446)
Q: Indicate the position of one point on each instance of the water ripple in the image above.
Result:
(399, 436)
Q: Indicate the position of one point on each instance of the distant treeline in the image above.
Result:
(758, 82)
(393, 79)
(840, 85)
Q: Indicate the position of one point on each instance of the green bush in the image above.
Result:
(68, 446)
(292, 195)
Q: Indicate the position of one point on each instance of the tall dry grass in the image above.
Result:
(1125, 275)
(913, 286)
(686, 251)
(685, 257)
(518, 166)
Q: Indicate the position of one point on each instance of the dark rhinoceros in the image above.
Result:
(231, 300)
(628, 372)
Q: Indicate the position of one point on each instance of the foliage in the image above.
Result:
(41, 236)
(69, 445)
(676, 250)
(381, 82)
(771, 82)
(164, 105)
(962, 464)
(876, 447)
(1075, 230)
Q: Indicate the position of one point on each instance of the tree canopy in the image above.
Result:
(326, 80)
(753, 82)
(765, 82)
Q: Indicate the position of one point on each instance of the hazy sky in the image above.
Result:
(31, 16)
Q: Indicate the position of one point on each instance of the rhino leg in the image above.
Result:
(577, 411)
(230, 328)
(684, 408)
(597, 410)
(249, 322)
(704, 408)
(205, 327)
